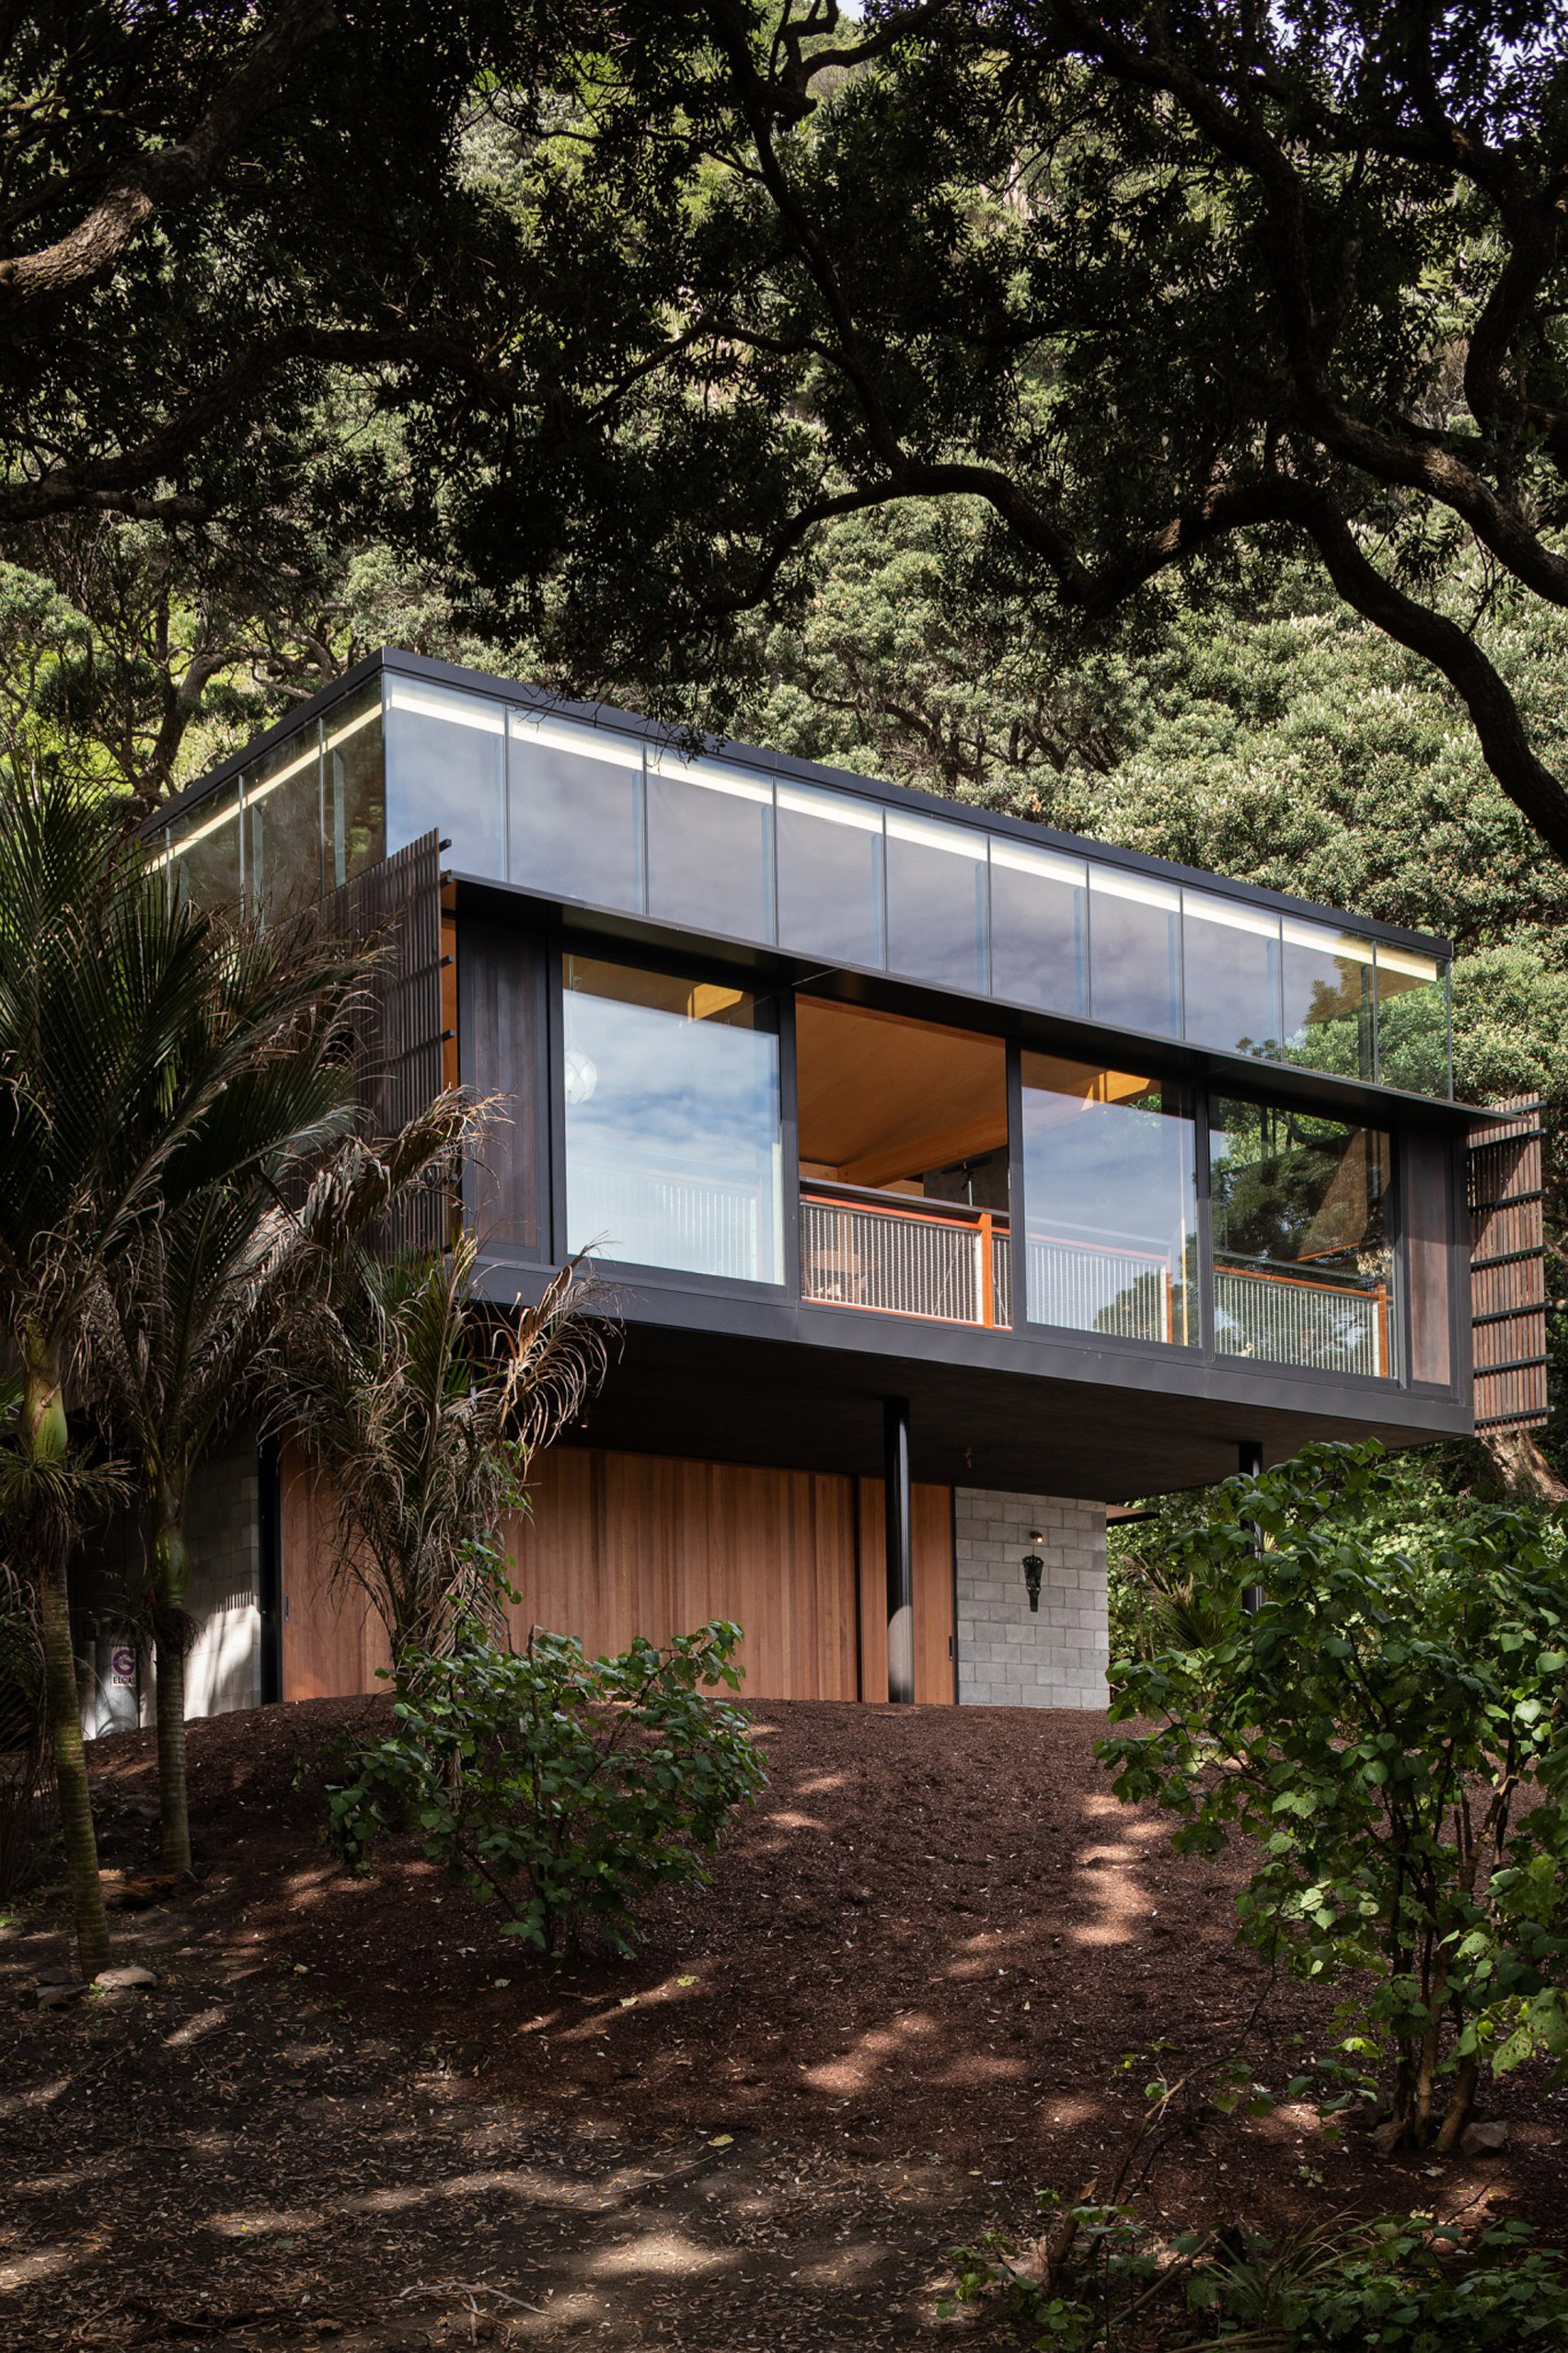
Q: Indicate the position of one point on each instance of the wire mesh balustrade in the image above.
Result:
(944, 1264)
(1337, 1321)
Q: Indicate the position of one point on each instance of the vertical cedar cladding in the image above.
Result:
(398, 1036)
(1508, 1270)
(500, 989)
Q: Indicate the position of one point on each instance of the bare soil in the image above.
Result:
(350, 2115)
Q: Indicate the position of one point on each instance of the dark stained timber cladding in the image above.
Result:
(1509, 1271)
(502, 976)
(397, 903)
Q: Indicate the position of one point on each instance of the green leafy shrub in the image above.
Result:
(1402, 2283)
(562, 1787)
(1390, 1728)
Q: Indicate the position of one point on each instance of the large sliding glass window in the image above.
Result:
(936, 901)
(1110, 1192)
(673, 1129)
(1039, 928)
(446, 767)
(1135, 940)
(830, 875)
(1303, 1257)
(709, 846)
(576, 812)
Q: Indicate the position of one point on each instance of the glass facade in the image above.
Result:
(354, 788)
(446, 767)
(673, 1136)
(936, 901)
(575, 811)
(1413, 1021)
(1039, 928)
(1303, 1250)
(1111, 1202)
(596, 814)
(204, 849)
(1327, 1019)
(1134, 944)
(830, 875)
(283, 828)
(1231, 964)
(709, 846)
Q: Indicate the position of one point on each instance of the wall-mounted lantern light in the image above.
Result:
(1033, 1568)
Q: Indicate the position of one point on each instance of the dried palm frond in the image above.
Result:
(425, 1407)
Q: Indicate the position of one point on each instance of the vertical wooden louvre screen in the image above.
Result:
(400, 1047)
(1508, 1270)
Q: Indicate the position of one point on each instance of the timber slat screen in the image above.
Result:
(399, 1047)
(1508, 1270)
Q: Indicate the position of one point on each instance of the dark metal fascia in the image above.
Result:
(992, 1016)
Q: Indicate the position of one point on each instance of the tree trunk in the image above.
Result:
(44, 1444)
(171, 1572)
(70, 1769)
(1460, 2107)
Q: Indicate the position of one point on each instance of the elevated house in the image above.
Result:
(952, 1180)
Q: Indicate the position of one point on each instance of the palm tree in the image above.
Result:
(138, 1038)
(425, 1409)
(183, 1326)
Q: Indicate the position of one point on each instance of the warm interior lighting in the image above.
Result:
(883, 1101)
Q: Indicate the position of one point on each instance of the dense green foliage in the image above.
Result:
(562, 1787)
(1402, 2283)
(1389, 1728)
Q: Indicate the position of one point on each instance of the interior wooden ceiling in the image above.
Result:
(880, 1097)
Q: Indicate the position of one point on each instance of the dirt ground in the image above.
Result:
(350, 2116)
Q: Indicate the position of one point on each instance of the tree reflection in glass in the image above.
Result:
(1303, 1257)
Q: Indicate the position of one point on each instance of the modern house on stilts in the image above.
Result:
(950, 1178)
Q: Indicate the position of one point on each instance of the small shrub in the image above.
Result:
(1390, 1728)
(1402, 2284)
(563, 1788)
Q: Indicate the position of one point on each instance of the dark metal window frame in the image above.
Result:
(564, 939)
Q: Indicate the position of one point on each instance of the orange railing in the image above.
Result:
(944, 1264)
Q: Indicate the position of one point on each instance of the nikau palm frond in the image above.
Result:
(425, 1407)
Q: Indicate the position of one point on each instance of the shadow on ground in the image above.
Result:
(350, 2114)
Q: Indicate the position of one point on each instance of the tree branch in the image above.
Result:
(172, 175)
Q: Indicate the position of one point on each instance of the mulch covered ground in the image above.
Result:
(350, 2114)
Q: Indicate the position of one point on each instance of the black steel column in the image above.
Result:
(270, 1564)
(900, 1555)
(1249, 1462)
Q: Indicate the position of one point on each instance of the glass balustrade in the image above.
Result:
(594, 814)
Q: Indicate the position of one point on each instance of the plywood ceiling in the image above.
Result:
(880, 1097)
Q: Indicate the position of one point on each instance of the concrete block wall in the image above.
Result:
(1008, 1656)
(222, 1670)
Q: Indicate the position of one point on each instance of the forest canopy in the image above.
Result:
(1152, 421)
